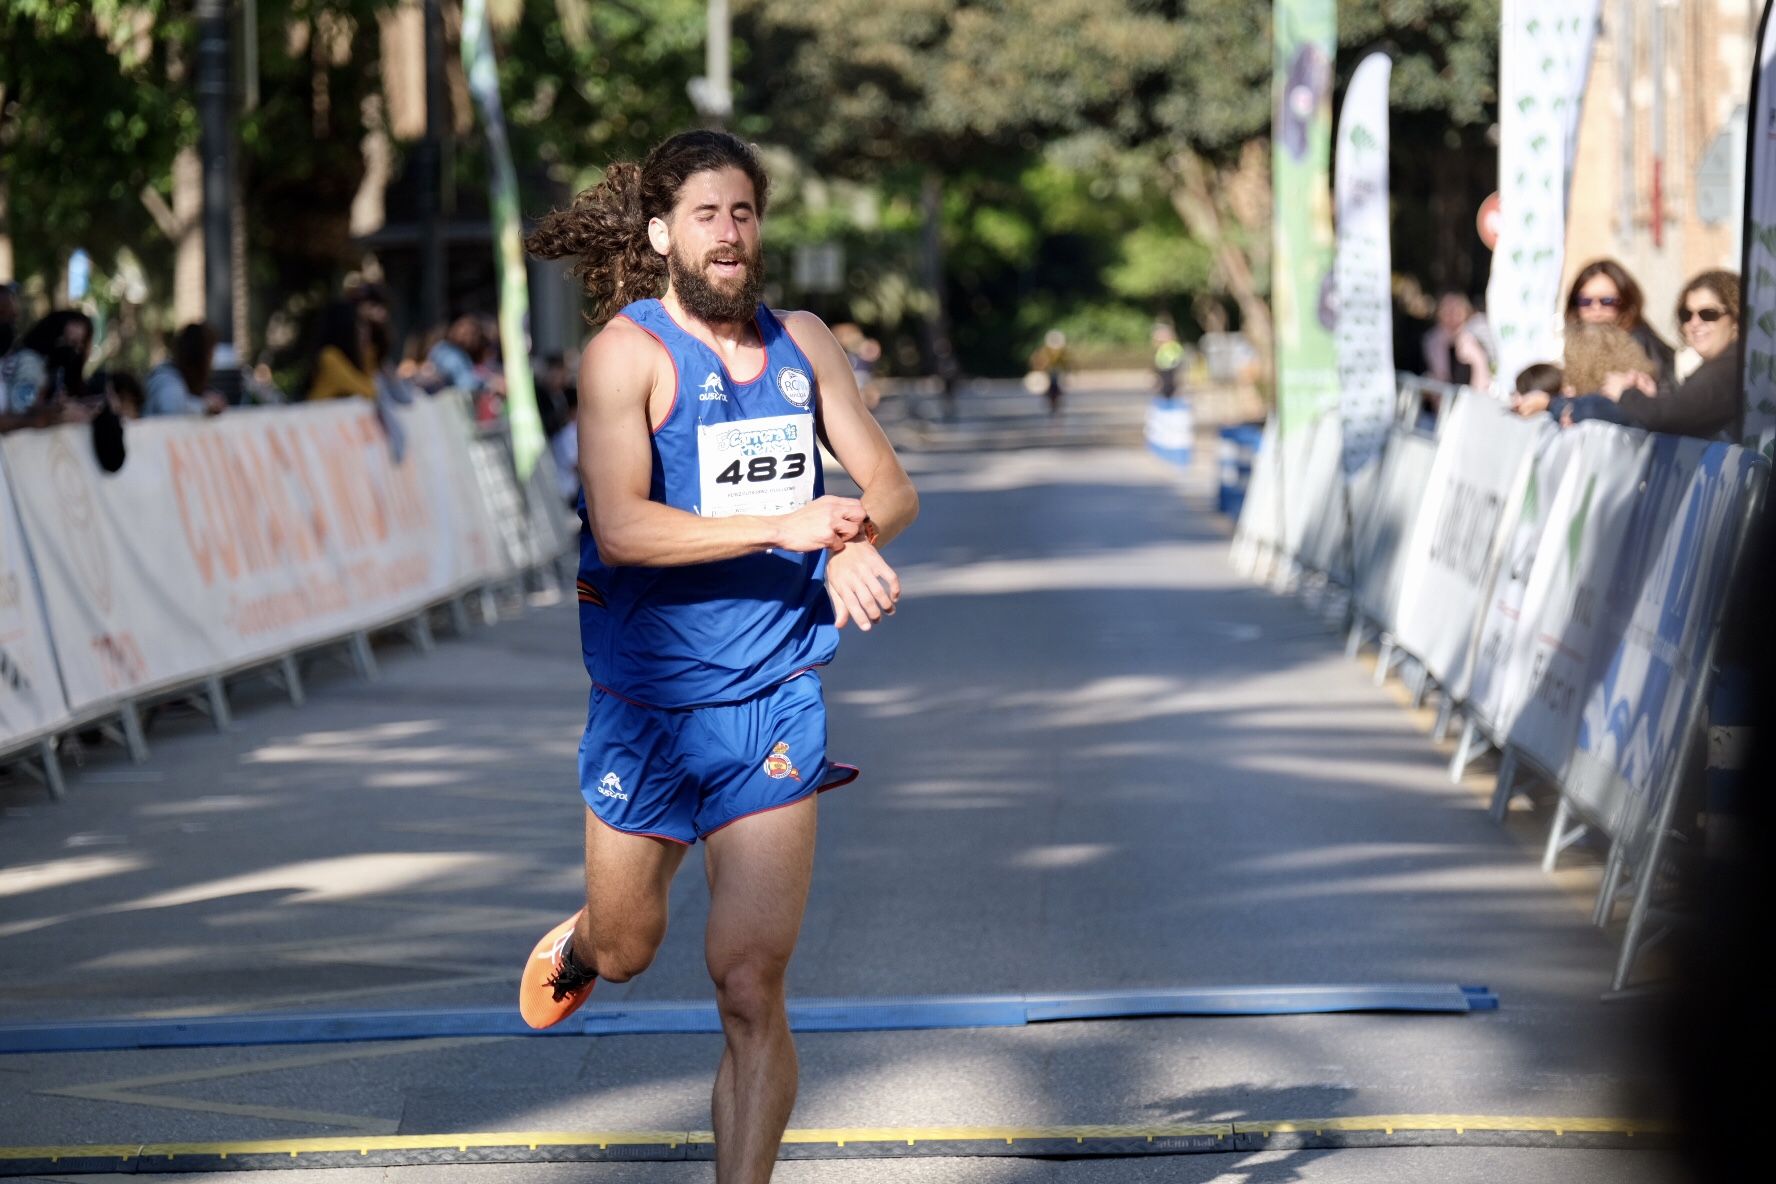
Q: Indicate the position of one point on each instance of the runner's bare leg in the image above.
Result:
(759, 869)
(628, 878)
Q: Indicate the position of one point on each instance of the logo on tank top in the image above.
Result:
(778, 765)
(795, 387)
(712, 390)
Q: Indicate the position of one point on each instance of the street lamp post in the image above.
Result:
(713, 94)
(429, 166)
(215, 148)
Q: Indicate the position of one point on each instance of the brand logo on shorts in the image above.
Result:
(612, 787)
(712, 390)
(778, 764)
(795, 386)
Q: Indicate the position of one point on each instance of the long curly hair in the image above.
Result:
(604, 230)
(1594, 352)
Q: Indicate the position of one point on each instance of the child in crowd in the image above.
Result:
(1537, 384)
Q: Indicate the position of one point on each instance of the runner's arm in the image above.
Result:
(617, 376)
(862, 586)
(853, 433)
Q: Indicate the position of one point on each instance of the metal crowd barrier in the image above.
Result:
(1561, 592)
(58, 540)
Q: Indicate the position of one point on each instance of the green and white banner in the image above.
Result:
(1757, 326)
(1544, 59)
(1365, 335)
(1301, 145)
(502, 186)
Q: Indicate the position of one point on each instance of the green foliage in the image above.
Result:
(580, 96)
(1160, 263)
(84, 126)
(1058, 126)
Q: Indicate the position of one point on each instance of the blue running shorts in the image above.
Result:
(681, 774)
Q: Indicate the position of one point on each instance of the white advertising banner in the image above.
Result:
(1671, 581)
(1363, 272)
(1481, 686)
(1758, 325)
(1556, 650)
(1314, 488)
(1482, 451)
(31, 702)
(1260, 514)
(1382, 532)
(223, 542)
(1544, 59)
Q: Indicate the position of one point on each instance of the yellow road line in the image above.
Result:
(1385, 1124)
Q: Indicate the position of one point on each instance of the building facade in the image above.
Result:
(1660, 175)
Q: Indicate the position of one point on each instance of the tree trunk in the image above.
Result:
(6, 263)
(942, 358)
(1201, 197)
(188, 263)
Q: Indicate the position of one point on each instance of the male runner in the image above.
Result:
(715, 573)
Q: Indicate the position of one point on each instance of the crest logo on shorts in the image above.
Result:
(778, 765)
(795, 387)
(611, 786)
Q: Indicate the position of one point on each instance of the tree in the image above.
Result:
(1178, 88)
(87, 122)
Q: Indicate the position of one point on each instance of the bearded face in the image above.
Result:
(721, 284)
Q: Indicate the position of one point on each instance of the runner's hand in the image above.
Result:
(823, 524)
(862, 585)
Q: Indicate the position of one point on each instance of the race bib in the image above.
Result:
(755, 466)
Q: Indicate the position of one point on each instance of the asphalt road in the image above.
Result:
(1094, 758)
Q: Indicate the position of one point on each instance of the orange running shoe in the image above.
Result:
(554, 984)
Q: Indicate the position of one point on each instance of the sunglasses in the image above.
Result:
(1709, 315)
(1605, 301)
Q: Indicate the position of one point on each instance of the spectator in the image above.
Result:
(862, 352)
(1603, 293)
(9, 313)
(372, 302)
(1593, 353)
(415, 366)
(43, 380)
(1455, 348)
(1538, 383)
(181, 384)
(555, 395)
(342, 364)
(1168, 358)
(127, 396)
(1596, 351)
(459, 355)
(1048, 366)
(1710, 403)
(564, 449)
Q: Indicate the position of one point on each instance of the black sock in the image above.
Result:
(572, 965)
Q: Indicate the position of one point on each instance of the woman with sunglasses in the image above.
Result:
(1603, 293)
(1709, 404)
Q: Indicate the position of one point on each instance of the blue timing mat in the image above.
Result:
(805, 1015)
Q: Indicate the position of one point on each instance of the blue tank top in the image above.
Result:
(726, 631)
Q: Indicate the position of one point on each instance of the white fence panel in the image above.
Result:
(1480, 686)
(1556, 649)
(1382, 532)
(1482, 451)
(228, 541)
(31, 699)
(1671, 581)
